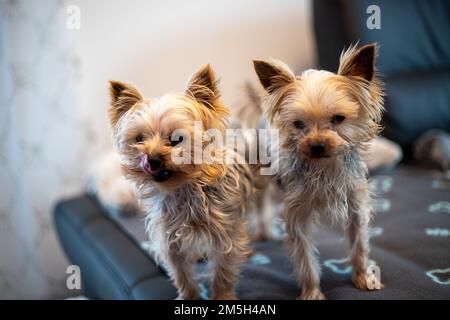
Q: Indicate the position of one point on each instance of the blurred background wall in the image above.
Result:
(53, 97)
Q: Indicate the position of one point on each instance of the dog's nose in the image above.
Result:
(317, 149)
(155, 163)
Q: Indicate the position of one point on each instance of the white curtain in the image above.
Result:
(45, 144)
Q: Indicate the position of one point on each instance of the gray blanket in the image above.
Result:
(410, 241)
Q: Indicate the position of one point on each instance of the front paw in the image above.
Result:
(367, 281)
(312, 294)
(224, 296)
(188, 296)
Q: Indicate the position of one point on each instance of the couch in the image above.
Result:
(410, 232)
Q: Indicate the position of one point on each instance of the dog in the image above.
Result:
(193, 209)
(325, 120)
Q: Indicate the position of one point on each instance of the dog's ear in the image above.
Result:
(123, 97)
(273, 74)
(359, 62)
(203, 86)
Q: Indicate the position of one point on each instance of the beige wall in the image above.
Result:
(158, 44)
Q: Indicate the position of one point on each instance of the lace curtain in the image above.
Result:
(43, 149)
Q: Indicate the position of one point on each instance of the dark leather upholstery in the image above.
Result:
(112, 264)
(414, 57)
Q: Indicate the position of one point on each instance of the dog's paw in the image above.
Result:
(188, 296)
(367, 281)
(314, 294)
(225, 296)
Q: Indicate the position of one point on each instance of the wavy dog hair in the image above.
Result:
(193, 210)
(325, 121)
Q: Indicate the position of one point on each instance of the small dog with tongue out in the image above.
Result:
(194, 208)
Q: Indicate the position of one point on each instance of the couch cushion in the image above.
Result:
(112, 264)
(415, 104)
(414, 57)
(413, 36)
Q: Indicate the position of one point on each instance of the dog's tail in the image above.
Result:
(248, 116)
(248, 112)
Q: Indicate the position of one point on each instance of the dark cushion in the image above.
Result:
(416, 103)
(414, 57)
(112, 264)
(413, 37)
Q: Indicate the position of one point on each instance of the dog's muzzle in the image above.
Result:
(155, 167)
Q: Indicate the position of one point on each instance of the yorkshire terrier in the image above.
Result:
(194, 209)
(325, 121)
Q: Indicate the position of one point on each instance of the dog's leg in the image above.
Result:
(181, 272)
(303, 252)
(226, 267)
(263, 231)
(358, 234)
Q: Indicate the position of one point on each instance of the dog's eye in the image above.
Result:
(174, 142)
(299, 124)
(139, 138)
(337, 119)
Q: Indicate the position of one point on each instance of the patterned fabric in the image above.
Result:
(43, 149)
(409, 240)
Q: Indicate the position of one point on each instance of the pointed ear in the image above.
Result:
(123, 97)
(359, 62)
(273, 74)
(202, 86)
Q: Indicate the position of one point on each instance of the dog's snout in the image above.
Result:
(317, 148)
(155, 163)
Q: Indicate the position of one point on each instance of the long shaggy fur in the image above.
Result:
(341, 113)
(198, 211)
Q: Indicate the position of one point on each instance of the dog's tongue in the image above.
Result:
(145, 165)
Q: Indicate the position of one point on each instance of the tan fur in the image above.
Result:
(332, 185)
(123, 97)
(198, 210)
(266, 198)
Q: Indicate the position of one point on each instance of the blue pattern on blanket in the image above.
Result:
(259, 259)
(341, 266)
(439, 207)
(440, 276)
(204, 291)
(437, 232)
(409, 242)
